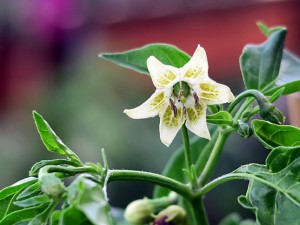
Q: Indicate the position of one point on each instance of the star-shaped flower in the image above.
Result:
(181, 96)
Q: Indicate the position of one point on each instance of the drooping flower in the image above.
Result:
(181, 96)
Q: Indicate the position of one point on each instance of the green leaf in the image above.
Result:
(200, 149)
(274, 190)
(4, 204)
(136, 59)
(88, 197)
(221, 117)
(281, 157)
(273, 135)
(289, 76)
(42, 218)
(274, 197)
(23, 215)
(51, 141)
(9, 194)
(16, 187)
(33, 201)
(30, 190)
(260, 64)
(71, 216)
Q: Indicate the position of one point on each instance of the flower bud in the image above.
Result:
(51, 185)
(139, 212)
(243, 129)
(173, 215)
(270, 113)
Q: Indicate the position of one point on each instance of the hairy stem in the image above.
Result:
(181, 189)
(213, 158)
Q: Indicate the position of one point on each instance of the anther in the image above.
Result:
(196, 99)
(180, 95)
(173, 107)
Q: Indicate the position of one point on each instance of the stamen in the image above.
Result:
(184, 111)
(173, 107)
(196, 100)
(180, 94)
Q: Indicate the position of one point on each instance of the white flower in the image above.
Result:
(181, 96)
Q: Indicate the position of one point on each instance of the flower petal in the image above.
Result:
(196, 120)
(162, 75)
(197, 68)
(169, 124)
(214, 93)
(149, 108)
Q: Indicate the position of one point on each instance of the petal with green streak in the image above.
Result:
(169, 124)
(196, 120)
(162, 75)
(212, 92)
(150, 108)
(197, 68)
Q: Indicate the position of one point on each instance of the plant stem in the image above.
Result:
(187, 149)
(248, 93)
(213, 158)
(153, 178)
(199, 212)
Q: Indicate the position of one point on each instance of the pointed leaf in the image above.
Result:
(51, 141)
(273, 135)
(136, 58)
(289, 76)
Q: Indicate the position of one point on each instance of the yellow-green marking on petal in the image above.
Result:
(209, 91)
(165, 78)
(157, 102)
(193, 73)
(193, 114)
(168, 118)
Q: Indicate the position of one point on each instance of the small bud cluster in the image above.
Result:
(143, 211)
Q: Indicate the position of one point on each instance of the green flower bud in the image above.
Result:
(172, 215)
(139, 212)
(244, 130)
(270, 113)
(51, 185)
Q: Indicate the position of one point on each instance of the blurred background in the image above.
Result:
(49, 63)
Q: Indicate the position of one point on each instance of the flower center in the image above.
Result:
(181, 90)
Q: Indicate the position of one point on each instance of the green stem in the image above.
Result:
(199, 212)
(248, 93)
(187, 149)
(71, 171)
(213, 158)
(153, 178)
